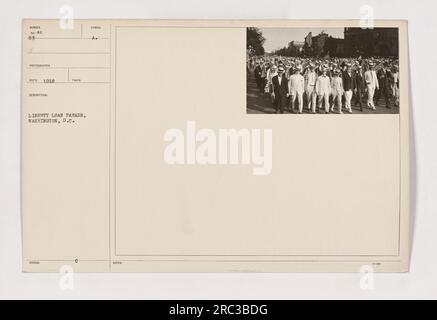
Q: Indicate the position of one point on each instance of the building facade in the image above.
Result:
(323, 45)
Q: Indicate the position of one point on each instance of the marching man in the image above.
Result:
(310, 86)
(348, 86)
(273, 71)
(280, 90)
(323, 89)
(296, 88)
(371, 84)
(384, 81)
(337, 90)
(395, 85)
(359, 86)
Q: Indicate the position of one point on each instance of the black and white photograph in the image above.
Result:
(322, 70)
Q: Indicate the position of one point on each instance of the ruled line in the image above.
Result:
(68, 52)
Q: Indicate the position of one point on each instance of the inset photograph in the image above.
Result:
(322, 70)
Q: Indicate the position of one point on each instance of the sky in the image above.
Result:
(277, 38)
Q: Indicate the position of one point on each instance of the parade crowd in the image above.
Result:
(326, 85)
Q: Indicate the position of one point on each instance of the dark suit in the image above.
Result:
(347, 81)
(358, 83)
(281, 91)
(384, 80)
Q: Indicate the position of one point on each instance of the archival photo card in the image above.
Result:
(215, 146)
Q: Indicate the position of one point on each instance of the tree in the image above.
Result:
(290, 51)
(255, 41)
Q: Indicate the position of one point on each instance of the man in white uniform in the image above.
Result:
(296, 88)
(323, 89)
(310, 86)
(395, 85)
(337, 90)
(273, 71)
(372, 84)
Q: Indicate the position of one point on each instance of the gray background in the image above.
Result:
(421, 282)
